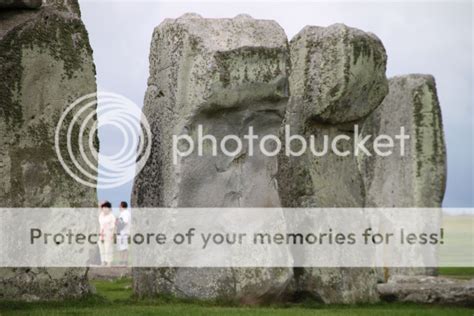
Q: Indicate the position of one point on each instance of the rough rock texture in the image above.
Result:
(337, 79)
(315, 181)
(45, 64)
(417, 179)
(339, 73)
(20, 4)
(229, 74)
(428, 290)
(226, 75)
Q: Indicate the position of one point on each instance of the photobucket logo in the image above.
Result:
(76, 140)
(294, 145)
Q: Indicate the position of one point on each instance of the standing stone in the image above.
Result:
(226, 75)
(418, 177)
(45, 64)
(337, 79)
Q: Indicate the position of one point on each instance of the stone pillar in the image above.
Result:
(418, 177)
(337, 79)
(226, 75)
(45, 64)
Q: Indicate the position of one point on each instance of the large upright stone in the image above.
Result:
(226, 75)
(45, 64)
(415, 177)
(418, 177)
(337, 79)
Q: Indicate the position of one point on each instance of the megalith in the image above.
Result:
(337, 79)
(415, 177)
(45, 64)
(418, 177)
(225, 75)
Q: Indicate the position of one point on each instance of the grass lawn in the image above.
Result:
(113, 299)
(457, 273)
(114, 309)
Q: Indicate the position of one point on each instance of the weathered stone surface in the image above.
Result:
(47, 60)
(20, 4)
(418, 177)
(34, 284)
(226, 75)
(338, 71)
(428, 290)
(337, 77)
(45, 64)
(320, 183)
(334, 285)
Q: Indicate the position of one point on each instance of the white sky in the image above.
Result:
(419, 36)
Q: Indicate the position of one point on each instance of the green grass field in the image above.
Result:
(457, 273)
(114, 298)
(115, 309)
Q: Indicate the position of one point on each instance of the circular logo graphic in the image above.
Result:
(76, 140)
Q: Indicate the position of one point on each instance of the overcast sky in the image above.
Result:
(420, 37)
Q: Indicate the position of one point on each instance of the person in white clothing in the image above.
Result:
(106, 235)
(123, 231)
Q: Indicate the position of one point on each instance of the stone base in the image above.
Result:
(428, 290)
(43, 284)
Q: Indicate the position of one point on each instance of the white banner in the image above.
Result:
(242, 237)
